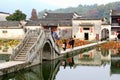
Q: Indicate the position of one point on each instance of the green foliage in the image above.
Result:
(17, 16)
(9, 42)
(6, 46)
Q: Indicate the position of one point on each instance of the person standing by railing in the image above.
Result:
(64, 45)
(71, 42)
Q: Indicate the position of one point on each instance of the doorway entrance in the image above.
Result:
(86, 37)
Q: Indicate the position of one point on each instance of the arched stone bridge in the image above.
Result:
(36, 46)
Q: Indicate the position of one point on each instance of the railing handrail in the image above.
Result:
(34, 48)
(53, 41)
(54, 44)
(16, 50)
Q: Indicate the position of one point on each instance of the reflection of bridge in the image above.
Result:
(46, 71)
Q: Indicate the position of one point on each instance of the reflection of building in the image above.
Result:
(88, 58)
(115, 54)
(91, 57)
(115, 67)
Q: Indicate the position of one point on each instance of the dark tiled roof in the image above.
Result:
(56, 22)
(33, 23)
(84, 18)
(49, 22)
(9, 23)
(59, 16)
(115, 13)
(4, 13)
(54, 19)
(65, 23)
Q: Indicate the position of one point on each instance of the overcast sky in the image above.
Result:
(26, 6)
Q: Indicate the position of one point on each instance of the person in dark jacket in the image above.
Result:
(71, 42)
(64, 45)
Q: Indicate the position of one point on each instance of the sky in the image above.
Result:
(26, 6)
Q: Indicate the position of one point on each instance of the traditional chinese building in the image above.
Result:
(115, 23)
(61, 22)
(91, 29)
(11, 30)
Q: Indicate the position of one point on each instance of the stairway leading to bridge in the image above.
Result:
(22, 54)
(37, 44)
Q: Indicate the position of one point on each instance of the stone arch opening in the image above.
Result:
(118, 36)
(104, 34)
(47, 51)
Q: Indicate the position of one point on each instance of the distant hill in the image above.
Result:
(89, 11)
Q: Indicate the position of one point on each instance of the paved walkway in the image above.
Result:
(10, 64)
(81, 47)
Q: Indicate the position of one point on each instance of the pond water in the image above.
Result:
(91, 65)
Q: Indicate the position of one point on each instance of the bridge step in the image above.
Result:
(19, 59)
(22, 54)
(25, 49)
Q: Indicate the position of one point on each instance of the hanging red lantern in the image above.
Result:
(80, 29)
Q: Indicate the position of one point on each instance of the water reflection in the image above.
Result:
(46, 71)
(92, 65)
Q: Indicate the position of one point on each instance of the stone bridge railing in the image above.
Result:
(48, 35)
(16, 50)
(43, 37)
(32, 53)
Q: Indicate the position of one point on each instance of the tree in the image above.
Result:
(33, 15)
(17, 16)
